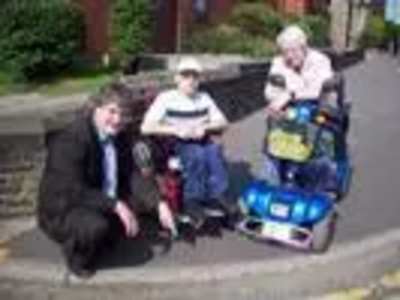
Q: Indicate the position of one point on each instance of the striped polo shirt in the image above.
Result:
(175, 108)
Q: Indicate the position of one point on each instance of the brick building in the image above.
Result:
(173, 18)
(96, 14)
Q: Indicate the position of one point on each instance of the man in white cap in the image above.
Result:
(303, 69)
(191, 116)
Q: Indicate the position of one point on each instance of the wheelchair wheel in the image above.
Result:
(323, 233)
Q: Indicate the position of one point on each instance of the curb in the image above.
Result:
(368, 259)
(14, 227)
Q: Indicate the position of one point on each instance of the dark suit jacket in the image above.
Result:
(73, 173)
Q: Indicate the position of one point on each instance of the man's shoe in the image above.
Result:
(228, 206)
(193, 215)
(80, 268)
(214, 209)
(233, 220)
(231, 211)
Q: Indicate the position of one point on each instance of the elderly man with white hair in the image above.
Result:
(304, 70)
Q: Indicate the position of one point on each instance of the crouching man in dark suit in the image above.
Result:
(85, 198)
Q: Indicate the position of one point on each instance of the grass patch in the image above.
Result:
(7, 86)
(81, 82)
(77, 82)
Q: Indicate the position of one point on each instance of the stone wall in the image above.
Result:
(21, 162)
(241, 95)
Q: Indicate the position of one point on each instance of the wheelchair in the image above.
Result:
(157, 160)
(308, 145)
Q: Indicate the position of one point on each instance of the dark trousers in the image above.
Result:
(85, 234)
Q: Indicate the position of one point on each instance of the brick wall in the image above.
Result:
(165, 30)
(96, 14)
(220, 10)
(294, 6)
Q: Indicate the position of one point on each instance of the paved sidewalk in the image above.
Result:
(10, 229)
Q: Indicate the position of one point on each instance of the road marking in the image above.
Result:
(350, 294)
(391, 280)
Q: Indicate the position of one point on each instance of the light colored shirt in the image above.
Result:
(306, 83)
(110, 166)
(175, 108)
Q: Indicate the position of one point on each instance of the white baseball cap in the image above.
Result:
(189, 64)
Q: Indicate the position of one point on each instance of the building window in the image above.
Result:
(200, 9)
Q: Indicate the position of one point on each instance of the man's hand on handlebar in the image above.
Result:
(277, 108)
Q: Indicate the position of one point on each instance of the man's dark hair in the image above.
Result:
(112, 93)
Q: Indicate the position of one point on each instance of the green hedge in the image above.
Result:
(251, 29)
(131, 27)
(315, 25)
(227, 39)
(374, 34)
(38, 38)
(377, 31)
(256, 19)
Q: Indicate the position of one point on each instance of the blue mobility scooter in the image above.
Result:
(308, 146)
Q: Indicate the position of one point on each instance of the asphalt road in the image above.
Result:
(371, 207)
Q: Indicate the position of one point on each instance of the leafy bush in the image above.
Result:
(392, 29)
(375, 32)
(316, 26)
(251, 29)
(130, 27)
(38, 38)
(256, 19)
(228, 39)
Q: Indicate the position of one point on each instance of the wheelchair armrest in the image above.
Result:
(276, 80)
(142, 156)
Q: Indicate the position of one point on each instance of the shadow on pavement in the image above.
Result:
(240, 175)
